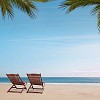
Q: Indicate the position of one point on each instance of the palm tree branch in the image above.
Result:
(95, 9)
(73, 4)
(26, 6)
(43, 0)
(6, 8)
(99, 20)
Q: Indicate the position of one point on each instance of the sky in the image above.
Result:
(53, 44)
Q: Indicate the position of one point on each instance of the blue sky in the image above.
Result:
(54, 43)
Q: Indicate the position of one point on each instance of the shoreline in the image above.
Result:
(63, 83)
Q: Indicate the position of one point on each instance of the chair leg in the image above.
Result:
(29, 88)
(13, 86)
(32, 87)
(23, 88)
(43, 85)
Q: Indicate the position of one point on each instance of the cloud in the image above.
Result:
(97, 36)
(80, 41)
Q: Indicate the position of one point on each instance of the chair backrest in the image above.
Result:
(15, 79)
(35, 79)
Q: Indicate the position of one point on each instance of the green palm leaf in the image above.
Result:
(99, 20)
(96, 9)
(42, 0)
(26, 6)
(73, 4)
(6, 8)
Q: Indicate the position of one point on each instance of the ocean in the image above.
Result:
(60, 79)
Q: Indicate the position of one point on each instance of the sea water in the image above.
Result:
(60, 79)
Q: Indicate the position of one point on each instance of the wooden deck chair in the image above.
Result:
(35, 80)
(16, 81)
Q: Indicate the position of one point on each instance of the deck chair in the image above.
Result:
(35, 80)
(16, 81)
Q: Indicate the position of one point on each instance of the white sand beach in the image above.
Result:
(55, 92)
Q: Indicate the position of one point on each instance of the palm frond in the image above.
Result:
(99, 20)
(43, 0)
(26, 6)
(96, 9)
(6, 8)
(73, 4)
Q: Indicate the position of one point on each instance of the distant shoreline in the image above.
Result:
(61, 80)
(90, 84)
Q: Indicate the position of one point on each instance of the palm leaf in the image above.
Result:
(99, 20)
(26, 6)
(43, 0)
(6, 8)
(95, 9)
(73, 4)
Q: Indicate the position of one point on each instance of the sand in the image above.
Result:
(55, 92)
